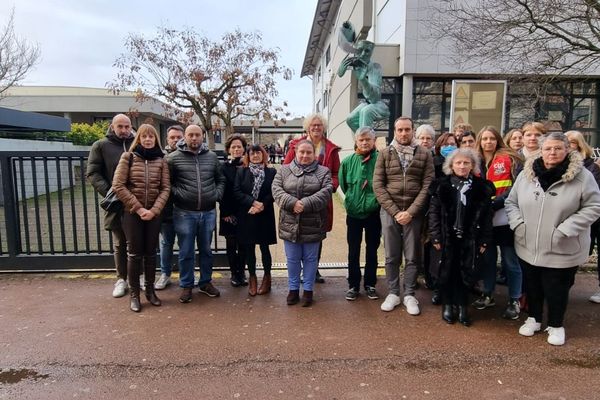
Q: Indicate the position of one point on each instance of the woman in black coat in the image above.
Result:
(460, 225)
(256, 216)
(235, 147)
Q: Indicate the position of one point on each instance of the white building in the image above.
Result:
(418, 76)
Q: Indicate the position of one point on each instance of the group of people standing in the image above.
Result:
(443, 207)
(534, 195)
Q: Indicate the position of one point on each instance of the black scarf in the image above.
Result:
(148, 154)
(235, 161)
(548, 176)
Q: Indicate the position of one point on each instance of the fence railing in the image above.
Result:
(50, 217)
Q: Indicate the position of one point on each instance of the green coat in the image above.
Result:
(360, 199)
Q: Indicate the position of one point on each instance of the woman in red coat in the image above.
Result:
(327, 154)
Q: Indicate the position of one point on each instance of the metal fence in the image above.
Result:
(50, 218)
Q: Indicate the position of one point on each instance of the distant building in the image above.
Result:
(87, 105)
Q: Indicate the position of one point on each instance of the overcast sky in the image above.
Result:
(80, 39)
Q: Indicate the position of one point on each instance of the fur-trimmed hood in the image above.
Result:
(575, 166)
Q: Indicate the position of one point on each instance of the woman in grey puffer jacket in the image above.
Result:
(551, 207)
(302, 190)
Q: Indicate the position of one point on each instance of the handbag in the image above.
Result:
(111, 202)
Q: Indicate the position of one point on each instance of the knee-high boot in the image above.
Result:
(134, 265)
(150, 275)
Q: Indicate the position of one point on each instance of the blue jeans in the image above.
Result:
(510, 263)
(301, 257)
(167, 240)
(189, 225)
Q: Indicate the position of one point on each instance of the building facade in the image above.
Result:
(418, 76)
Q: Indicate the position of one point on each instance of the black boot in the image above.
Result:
(134, 303)
(448, 314)
(134, 266)
(151, 296)
(149, 278)
(463, 315)
(436, 299)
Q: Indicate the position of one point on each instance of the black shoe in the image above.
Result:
(319, 278)
(513, 310)
(351, 294)
(436, 299)
(209, 290)
(463, 315)
(448, 314)
(371, 292)
(186, 295)
(485, 301)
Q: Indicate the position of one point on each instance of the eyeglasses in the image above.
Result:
(556, 149)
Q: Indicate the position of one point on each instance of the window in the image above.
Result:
(328, 55)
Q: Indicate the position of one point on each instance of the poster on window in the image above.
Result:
(478, 103)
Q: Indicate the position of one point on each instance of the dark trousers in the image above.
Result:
(236, 256)
(454, 290)
(551, 285)
(265, 253)
(372, 228)
(142, 241)
(595, 234)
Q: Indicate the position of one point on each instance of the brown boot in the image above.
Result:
(265, 286)
(307, 298)
(293, 297)
(151, 295)
(252, 283)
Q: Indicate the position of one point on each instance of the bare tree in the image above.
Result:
(230, 77)
(528, 37)
(17, 56)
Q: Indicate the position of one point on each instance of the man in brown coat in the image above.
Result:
(402, 176)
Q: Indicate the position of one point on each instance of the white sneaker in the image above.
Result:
(556, 336)
(595, 298)
(391, 301)
(162, 282)
(120, 288)
(412, 305)
(530, 327)
(142, 283)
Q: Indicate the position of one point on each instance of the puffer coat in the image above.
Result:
(552, 228)
(397, 189)
(313, 186)
(197, 181)
(145, 184)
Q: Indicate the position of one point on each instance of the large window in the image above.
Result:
(561, 106)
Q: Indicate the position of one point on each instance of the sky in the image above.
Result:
(80, 39)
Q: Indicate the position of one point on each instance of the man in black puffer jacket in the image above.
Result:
(197, 183)
(102, 162)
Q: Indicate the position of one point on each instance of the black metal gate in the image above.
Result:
(50, 218)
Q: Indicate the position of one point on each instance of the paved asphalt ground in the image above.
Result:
(64, 336)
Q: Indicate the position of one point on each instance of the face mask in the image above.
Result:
(446, 150)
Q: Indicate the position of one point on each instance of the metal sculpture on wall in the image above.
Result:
(369, 77)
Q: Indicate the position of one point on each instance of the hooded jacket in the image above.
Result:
(552, 228)
(313, 186)
(101, 165)
(356, 180)
(197, 182)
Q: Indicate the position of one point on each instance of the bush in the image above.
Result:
(86, 134)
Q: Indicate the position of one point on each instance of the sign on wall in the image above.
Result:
(478, 103)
